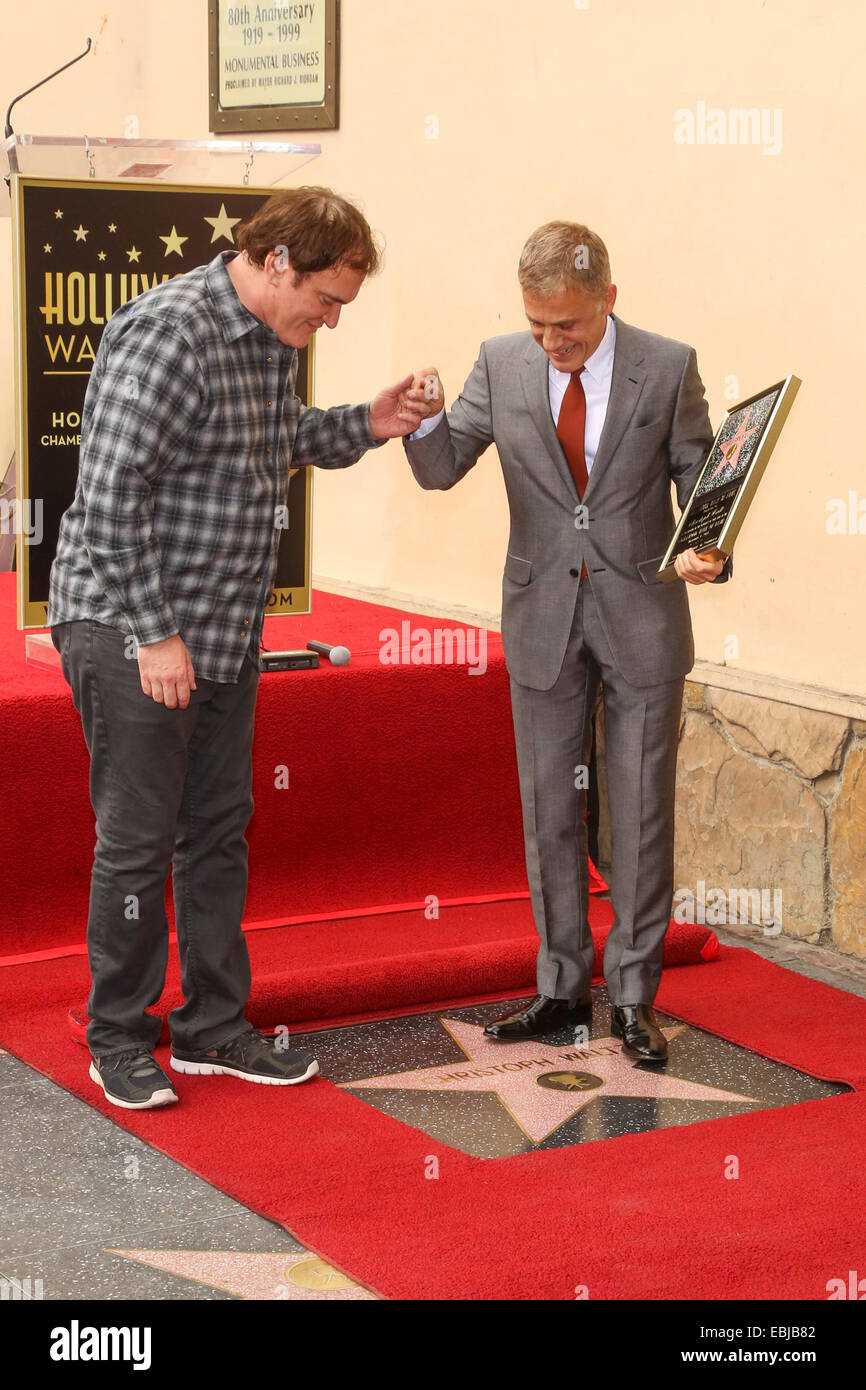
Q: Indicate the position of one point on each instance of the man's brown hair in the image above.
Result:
(317, 228)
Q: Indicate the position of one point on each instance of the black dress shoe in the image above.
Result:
(641, 1036)
(543, 1015)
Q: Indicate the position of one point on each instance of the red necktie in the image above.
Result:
(570, 430)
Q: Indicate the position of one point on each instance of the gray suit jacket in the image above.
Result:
(657, 428)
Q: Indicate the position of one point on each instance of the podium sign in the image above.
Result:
(82, 249)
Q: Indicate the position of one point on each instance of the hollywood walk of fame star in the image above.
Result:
(542, 1086)
(173, 242)
(81, 232)
(733, 447)
(287, 1277)
(134, 255)
(222, 225)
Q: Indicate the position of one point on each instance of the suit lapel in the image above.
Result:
(627, 382)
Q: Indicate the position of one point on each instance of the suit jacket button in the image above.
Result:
(574, 573)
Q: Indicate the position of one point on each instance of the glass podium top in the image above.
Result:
(260, 163)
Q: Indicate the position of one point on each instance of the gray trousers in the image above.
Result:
(170, 789)
(553, 734)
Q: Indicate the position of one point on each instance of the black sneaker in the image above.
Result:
(251, 1058)
(133, 1080)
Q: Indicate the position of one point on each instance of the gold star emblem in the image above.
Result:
(81, 233)
(57, 213)
(134, 255)
(222, 225)
(112, 226)
(102, 255)
(47, 247)
(173, 242)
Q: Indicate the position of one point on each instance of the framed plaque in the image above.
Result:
(729, 479)
(273, 66)
(82, 249)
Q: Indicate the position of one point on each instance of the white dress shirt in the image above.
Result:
(596, 379)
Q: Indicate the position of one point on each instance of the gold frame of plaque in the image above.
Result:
(276, 48)
(746, 452)
(47, 462)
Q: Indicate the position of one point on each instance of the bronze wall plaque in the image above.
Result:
(273, 67)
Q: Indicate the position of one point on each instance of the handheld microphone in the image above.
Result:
(338, 656)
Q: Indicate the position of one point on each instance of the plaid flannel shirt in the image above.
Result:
(190, 424)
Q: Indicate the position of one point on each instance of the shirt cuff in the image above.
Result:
(154, 626)
(427, 426)
(374, 441)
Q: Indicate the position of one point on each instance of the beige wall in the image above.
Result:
(552, 110)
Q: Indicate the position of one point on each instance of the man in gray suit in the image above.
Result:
(592, 419)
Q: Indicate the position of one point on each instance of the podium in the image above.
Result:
(198, 162)
(96, 222)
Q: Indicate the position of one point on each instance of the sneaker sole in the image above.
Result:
(216, 1069)
(156, 1101)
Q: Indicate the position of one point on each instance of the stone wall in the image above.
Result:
(771, 816)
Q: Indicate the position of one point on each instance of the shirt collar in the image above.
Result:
(234, 318)
(600, 364)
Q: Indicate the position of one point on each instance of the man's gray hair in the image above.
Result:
(560, 255)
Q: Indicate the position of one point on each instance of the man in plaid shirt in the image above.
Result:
(163, 568)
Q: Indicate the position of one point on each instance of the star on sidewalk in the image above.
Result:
(222, 225)
(287, 1277)
(733, 447)
(541, 1086)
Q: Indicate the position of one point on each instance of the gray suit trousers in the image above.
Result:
(553, 734)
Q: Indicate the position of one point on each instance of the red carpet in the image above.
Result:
(647, 1216)
(370, 749)
(335, 970)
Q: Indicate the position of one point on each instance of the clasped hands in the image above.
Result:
(399, 409)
